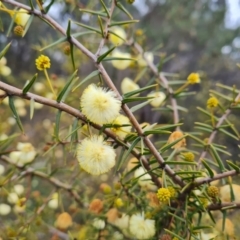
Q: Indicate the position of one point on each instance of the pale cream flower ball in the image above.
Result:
(144, 179)
(19, 189)
(128, 85)
(99, 105)
(158, 98)
(12, 197)
(98, 223)
(25, 154)
(119, 63)
(4, 70)
(5, 209)
(19, 209)
(119, 35)
(122, 221)
(140, 227)
(95, 156)
(121, 131)
(54, 201)
(228, 227)
(142, 62)
(225, 193)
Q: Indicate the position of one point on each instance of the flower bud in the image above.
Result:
(64, 221)
(18, 30)
(212, 191)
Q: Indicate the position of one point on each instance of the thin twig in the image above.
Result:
(55, 182)
(162, 79)
(10, 90)
(111, 85)
(214, 132)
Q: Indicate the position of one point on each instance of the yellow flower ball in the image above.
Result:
(212, 102)
(99, 105)
(193, 78)
(118, 203)
(188, 156)
(42, 62)
(21, 16)
(164, 195)
(212, 191)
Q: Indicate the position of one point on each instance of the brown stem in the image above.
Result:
(162, 79)
(10, 90)
(110, 84)
(55, 182)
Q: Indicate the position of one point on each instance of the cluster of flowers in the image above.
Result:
(100, 106)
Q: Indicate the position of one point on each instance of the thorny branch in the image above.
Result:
(111, 85)
(10, 90)
(214, 132)
(55, 182)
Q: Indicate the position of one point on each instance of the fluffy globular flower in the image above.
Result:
(193, 78)
(228, 227)
(20, 17)
(188, 156)
(122, 221)
(141, 59)
(19, 189)
(42, 62)
(172, 191)
(140, 227)
(18, 30)
(120, 130)
(105, 188)
(117, 36)
(12, 197)
(225, 193)
(96, 206)
(153, 200)
(98, 223)
(54, 201)
(144, 179)
(5, 209)
(64, 221)
(212, 102)
(175, 136)
(4, 70)
(95, 156)
(121, 64)
(128, 85)
(158, 98)
(99, 105)
(164, 195)
(118, 203)
(212, 191)
(112, 215)
(25, 154)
